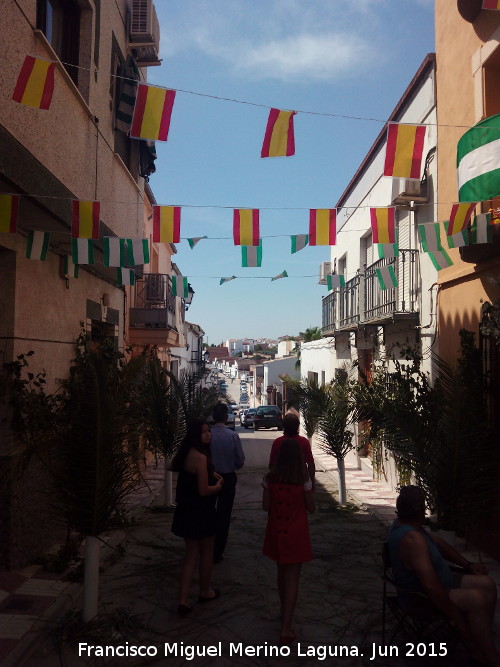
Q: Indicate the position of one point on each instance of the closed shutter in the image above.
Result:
(404, 230)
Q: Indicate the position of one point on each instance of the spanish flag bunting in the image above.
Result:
(70, 269)
(283, 274)
(166, 224)
(430, 236)
(460, 216)
(114, 251)
(82, 251)
(491, 4)
(180, 286)
(251, 255)
(246, 226)
(279, 140)
(9, 207)
(322, 226)
(403, 156)
(125, 276)
(37, 245)
(152, 111)
(35, 83)
(226, 280)
(85, 219)
(383, 225)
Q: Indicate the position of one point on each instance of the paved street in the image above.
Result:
(340, 597)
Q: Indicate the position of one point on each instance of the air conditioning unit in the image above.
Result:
(405, 190)
(325, 269)
(144, 33)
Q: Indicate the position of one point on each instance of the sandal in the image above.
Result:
(202, 598)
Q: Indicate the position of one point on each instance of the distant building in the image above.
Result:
(285, 347)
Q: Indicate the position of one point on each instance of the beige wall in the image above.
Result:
(461, 48)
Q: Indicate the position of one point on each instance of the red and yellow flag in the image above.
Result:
(279, 140)
(9, 206)
(322, 226)
(383, 225)
(166, 224)
(403, 156)
(152, 111)
(35, 83)
(246, 226)
(460, 216)
(85, 219)
(491, 4)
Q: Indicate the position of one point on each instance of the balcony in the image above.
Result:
(362, 301)
(152, 315)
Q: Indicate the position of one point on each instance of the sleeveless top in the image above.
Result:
(407, 579)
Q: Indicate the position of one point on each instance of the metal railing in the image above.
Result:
(363, 300)
(153, 302)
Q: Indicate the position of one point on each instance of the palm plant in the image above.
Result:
(311, 333)
(94, 467)
(441, 432)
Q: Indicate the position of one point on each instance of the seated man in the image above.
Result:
(418, 563)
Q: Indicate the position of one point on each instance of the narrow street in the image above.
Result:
(339, 607)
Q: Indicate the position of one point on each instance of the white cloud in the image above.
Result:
(280, 39)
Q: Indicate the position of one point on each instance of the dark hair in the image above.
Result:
(410, 503)
(290, 467)
(192, 440)
(220, 412)
(291, 425)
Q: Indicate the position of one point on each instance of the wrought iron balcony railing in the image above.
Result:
(362, 300)
(153, 302)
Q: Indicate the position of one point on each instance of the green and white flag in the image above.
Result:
(251, 255)
(37, 245)
(192, 242)
(458, 240)
(138, 251)
(478, 161)
(481, 230)
(126, 276)
(440, 259)
(387, 250)
(283, 274)
(82, 251)
(430, 236)
(226, 280)
(299, 242)
(114, 251)
(334, 280)
(70, 269)
(386, 277)
(180, 286)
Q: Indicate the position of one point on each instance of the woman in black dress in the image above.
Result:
(194, 516)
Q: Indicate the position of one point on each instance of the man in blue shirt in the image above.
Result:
(227, 457)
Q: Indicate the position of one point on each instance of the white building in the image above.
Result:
(285, 347)
(361, 322)
(272, 383)
(234, 345)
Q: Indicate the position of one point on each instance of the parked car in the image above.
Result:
(230, 421)
(223, 387)
(267, 416)
(248, 417)
(234, 405)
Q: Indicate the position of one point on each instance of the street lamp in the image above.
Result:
(189, 298)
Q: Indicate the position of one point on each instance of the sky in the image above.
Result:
(334, 58)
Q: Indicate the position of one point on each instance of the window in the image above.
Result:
(59, 20)
(366, 250)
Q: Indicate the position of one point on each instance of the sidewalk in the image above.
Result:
(340, 597)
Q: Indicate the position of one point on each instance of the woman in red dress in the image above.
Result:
(288, 496)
